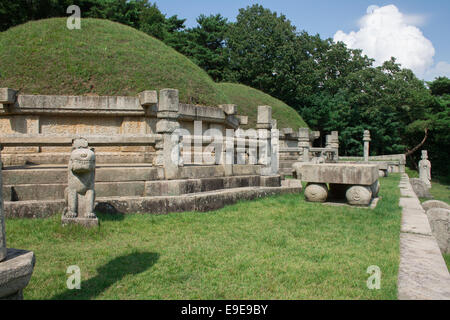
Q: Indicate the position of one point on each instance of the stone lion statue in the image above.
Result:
(80, 193)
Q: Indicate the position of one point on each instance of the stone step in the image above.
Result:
(57, 174)
(202, 201)
(26, 192)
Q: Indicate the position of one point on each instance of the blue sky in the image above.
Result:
(326, 17)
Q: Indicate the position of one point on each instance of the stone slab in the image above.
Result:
(354, 174)
(415, 221)
(15, 272)
(410, 203)
(423, 274)
(85, 222)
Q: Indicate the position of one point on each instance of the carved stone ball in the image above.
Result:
(359, 195)
(316, 192)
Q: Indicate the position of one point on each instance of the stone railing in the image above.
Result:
(106, 116)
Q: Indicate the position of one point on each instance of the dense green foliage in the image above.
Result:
(331, 86)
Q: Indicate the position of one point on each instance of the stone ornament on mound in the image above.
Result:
(80, 193)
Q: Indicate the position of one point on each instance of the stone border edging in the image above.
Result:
(423, 274)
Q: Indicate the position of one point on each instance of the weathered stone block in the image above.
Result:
(148, 98)
(270, 181)
(229, 109)
(168, 100)
(353, 174)
(166, 126)
(243, 120)
(85, 222)
(292, 183)
(264, 115)
(7, 96)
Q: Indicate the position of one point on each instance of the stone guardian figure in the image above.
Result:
(425, 169)
(80, 193)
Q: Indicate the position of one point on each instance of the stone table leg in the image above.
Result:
(359, 195)
(316, 192)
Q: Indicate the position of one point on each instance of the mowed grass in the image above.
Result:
(108, 58)
(274, 248)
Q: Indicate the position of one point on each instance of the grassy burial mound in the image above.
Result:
(108, 58)
(248, 99)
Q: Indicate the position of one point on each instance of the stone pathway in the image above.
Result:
(423, 274)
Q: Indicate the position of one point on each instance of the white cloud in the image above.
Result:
(441, 69)
(385, 32)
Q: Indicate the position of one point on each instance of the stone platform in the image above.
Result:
(15, 273)
(200, 201)
(358, 183)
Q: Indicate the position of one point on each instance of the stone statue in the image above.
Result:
(425, 169)
(80, 193)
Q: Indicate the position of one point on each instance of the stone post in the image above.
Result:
(168, 149)
(16, 266)
(303, 143)
(366, 139)
(264, 125)
(2, 217)
(275, 144)
(332, 142)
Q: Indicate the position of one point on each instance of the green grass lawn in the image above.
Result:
(274, 248)
(439, 189)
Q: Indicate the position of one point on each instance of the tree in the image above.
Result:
(205, 44)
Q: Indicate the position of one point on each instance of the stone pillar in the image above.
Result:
(2, 217)
(264, 125)
(366, 139)
(303, 143)
(275, 155)
(227, 159)
(332, 142)
(168, 149)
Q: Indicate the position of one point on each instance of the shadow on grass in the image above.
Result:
(110, 273)
(108, 212)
